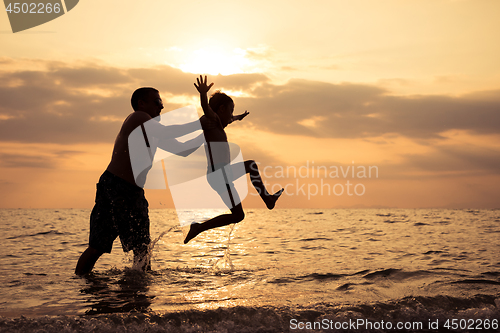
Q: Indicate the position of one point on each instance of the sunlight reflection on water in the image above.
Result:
(283, 257)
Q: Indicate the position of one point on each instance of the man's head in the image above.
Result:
(148, 100)
(223, 105)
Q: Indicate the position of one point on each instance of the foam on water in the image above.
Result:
(417, 312)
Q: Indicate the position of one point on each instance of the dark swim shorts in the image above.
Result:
(120, 210)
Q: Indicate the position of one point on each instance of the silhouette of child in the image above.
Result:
(219, 174)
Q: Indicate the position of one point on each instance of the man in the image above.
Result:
(121, 208)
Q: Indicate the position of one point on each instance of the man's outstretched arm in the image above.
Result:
(182, 148)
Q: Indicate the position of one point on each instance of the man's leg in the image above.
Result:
(102, 232)
(253, 170)
(87, 261)
(142, 259)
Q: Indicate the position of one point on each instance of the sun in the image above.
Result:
(214, 61)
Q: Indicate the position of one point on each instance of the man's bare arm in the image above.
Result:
(164, 132)
(182, 148)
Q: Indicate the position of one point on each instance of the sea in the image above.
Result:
(285, 270)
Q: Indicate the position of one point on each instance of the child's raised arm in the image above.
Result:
(203, 89)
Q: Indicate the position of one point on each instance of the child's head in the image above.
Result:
(223, 105)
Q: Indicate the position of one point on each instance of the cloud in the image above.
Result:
(86, 77)
(24, 161)
(289, 68)
(63, 104)
(44, 158)
(74, 104)
(361, 111)
(452, 160)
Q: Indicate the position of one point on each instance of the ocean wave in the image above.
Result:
(314, 239)
(41, 233)
(477, 281)
(394, 274)
(414, 310)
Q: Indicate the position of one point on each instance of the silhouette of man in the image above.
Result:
(121, 208)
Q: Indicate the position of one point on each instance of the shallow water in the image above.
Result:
(307, 265)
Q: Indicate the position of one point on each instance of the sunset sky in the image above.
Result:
(408, 87)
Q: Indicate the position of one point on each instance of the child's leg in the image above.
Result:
(253, 170)
(236, 216)
(237, 213)
(231, 199)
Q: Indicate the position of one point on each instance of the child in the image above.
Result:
(220, 109)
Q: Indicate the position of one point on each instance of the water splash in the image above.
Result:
(145, 261)
(225, 263)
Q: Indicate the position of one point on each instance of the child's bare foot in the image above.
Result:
(194, 230)
(271, 199)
